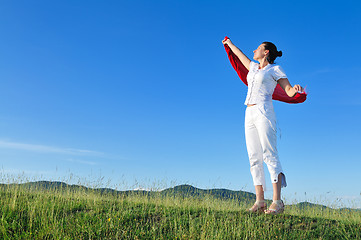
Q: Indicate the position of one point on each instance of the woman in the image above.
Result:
(260, 121)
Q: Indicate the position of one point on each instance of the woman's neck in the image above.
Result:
(263, 62)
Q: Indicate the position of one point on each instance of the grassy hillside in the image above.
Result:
(73, 212)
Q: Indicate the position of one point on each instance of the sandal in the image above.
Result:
(258, 206)
(279, 208)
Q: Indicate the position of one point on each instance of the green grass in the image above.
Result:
(78, 214)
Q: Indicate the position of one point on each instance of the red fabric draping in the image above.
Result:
(278, 94)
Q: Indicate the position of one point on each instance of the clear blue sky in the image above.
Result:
(141, 93)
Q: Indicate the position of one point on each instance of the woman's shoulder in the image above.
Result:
(253, 65)
(278, 71)
(276, 67)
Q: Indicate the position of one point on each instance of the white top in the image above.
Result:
(262, 82)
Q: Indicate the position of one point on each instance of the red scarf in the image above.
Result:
(278, 94)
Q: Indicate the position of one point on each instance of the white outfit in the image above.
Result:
(260, 123)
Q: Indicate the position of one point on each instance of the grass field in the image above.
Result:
(67, 213)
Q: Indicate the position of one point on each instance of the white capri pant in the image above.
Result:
(261, 140)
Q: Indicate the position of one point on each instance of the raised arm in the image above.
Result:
(242, 57)
(291, 91)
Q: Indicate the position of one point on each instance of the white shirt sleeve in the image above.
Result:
(278, 73)
(252, 65)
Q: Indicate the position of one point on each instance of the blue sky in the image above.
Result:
(141, 93)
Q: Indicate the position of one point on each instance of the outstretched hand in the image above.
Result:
(226, 40)
(298, 88)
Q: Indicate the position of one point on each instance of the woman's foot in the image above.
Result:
(276, 207)
(258, 206)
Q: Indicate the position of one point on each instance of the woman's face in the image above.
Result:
(260, 52)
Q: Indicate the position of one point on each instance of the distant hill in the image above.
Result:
(309, 205)
(188, 190)
(179, 191)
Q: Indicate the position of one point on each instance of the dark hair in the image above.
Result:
(273, 53)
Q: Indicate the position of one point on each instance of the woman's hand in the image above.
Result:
(298, 88)
(291, 91)
(243, 58)
(226, 41)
